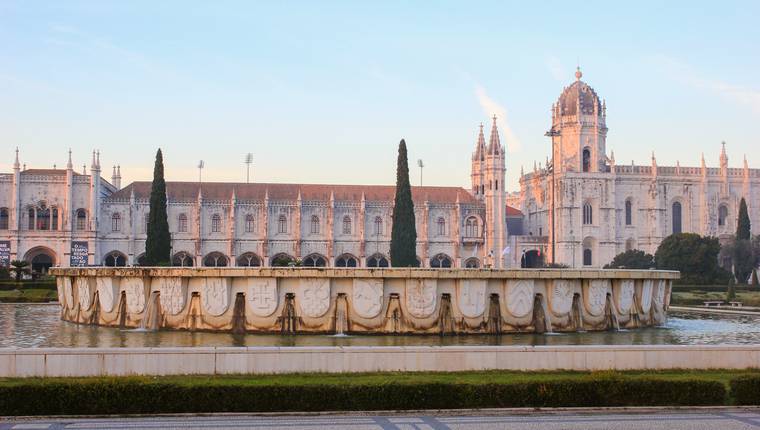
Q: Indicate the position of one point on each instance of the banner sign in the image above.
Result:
(79, 254)
(5, 253)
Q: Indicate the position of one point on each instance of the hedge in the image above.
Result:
(7, 285)
(746, 390)
(711, 288)
(143, 396)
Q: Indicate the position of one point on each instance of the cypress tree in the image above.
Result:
(158, 244)
(743, 225)
(404, 230)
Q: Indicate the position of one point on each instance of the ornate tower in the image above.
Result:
(579, 130)
(493, 171)
(478, 165)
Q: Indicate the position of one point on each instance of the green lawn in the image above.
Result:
(697, 297)
(412, 378)
(30, 295)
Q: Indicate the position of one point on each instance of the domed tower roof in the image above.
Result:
(579, 94)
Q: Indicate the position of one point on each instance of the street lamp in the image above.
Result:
(420, 164)
(552, 133)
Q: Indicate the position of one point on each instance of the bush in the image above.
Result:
(696, 257)
(746, 390)
(26, 285)
(145, 396)
(632, 259)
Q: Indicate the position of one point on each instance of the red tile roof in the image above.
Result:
(256, 191)
(513, 211)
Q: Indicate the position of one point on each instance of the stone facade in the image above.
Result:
(601, 208)
(328, 300)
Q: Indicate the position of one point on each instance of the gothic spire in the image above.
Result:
(494, 145)
(480, 145)
(69, 165)
(16, 164)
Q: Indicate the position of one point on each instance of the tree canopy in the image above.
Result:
(158, 243)
(696, 257)
(632, 259)
(404, 229)
(743, 226)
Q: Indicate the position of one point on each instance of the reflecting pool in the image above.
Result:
(39, 325)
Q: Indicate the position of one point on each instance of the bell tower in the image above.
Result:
(493, 172)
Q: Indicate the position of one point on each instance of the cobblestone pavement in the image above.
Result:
(723, 420)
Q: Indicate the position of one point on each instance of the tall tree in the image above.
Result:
(158, 244)
(404, 230)
(694, 256)
(743, 225)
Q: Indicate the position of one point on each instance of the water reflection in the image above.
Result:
(39, 325)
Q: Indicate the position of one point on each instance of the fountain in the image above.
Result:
(371, 301)
(341, 312)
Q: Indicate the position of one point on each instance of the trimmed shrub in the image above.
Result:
(143, 396)
(746, 390)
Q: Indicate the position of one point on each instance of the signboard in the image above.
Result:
(5, 253)
(79, 251)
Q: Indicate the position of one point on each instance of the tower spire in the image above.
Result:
(16, 164)
(69, 165)
(480, 145)
(494, 144)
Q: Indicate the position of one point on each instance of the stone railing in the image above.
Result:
(326, 300)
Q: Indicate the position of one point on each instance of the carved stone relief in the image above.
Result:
(83, 291)
(472, 297)
(135, 291)
(562, 296)
(520, 297)
(315, 296)
(173, 294)
(215, 295)
(262, 296)
(596, 296)
(646, 295)
(108, 292)
(367, 297)
(421, 297)
(625, 295)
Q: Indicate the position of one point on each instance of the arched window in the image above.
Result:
(43, 218)
(115, 222)
(588, 214)
(182, 221)
(677, 227)
(282, 224)
(314, 224)
(182, 259)
(440, 261)
(378, 226)
(586, 160)
(346, 224)
(472, 263)
(81, 219)
(346, 260)
(115, 259)
(32, 215)
(587, 257)
(216, 223)
(377, 260)
(215, 259)
(249, 259)
(315, 260)
(54, 219)
(722, 215)
(628, 212)
(471, 227)
(441, 226)
(250, 226)
(4, 219)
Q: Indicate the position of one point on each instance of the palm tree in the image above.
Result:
(19, 267)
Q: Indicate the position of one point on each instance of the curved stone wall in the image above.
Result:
(432, 301)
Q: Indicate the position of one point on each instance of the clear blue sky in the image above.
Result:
(321, 92)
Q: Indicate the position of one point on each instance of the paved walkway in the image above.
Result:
(725, 420)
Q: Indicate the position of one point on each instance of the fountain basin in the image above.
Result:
(335, 300)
